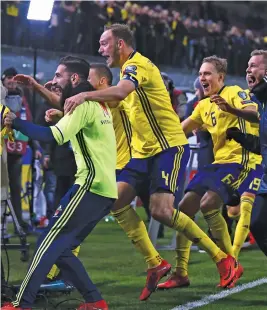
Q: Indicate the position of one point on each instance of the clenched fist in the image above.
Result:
(9, 118)
(53, 115)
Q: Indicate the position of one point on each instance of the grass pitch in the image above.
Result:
(119, 273)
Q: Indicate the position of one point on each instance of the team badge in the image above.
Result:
(130, 69)
(58, 210)
(242, 95)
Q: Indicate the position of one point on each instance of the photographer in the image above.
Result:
(17, 103)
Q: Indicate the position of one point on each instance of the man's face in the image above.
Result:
(255, 71)
(210, 79)
(9, 83)
(63, 83)
(94, 78)
(109, 49)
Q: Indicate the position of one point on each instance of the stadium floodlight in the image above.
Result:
(40, 9)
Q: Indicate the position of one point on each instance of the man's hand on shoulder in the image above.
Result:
(73, 102)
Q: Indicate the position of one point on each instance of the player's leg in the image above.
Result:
(258, 225)
(130, 182)
(233, 212)
(71, 266)
(54, 271)
(179, 278)
(168, 169)
(220, 192)
(210, 205)
(67, 223)
(248, 188)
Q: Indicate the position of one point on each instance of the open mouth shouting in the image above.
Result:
(251, 80)
(206, 87)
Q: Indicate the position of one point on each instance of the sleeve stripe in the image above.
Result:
(245, 153)
(130, 78)
(60, 133)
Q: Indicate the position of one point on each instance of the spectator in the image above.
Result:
(17, 103)
(171, 33)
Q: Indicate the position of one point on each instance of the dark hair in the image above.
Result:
(76, 65)
(123, 32)
(8, 73)
(103, 70)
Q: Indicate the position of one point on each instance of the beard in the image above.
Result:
(66, 93)
(116, 57)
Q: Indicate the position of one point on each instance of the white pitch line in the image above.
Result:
(211, 298)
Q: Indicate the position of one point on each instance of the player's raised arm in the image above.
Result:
(48, 95)
(112, 95)
(62, 132)
(29, 129)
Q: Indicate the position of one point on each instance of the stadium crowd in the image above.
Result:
(167, 33)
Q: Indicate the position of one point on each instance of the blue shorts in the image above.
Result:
(161, 172)
(143, 192)
(218, 178)
(250, 180)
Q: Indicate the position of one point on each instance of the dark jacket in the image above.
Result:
(260, 91)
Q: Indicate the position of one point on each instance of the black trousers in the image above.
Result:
(258, 225)
(77, 215)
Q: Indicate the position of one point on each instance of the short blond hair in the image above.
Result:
(219, 63)
(260, 53)
(122, 31)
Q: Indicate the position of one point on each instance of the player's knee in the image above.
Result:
(161, 205)
(190, 203)
(210, 201)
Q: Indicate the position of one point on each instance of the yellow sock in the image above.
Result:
(183, 245)
(189, 228)
(136, 231)
(242, 228)
(54, 271)
(219, 230)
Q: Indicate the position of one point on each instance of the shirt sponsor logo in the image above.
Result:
(106, 121)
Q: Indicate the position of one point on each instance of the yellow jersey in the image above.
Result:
(255, 131)
(217, 122)
(155, 125)
(123, 133)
